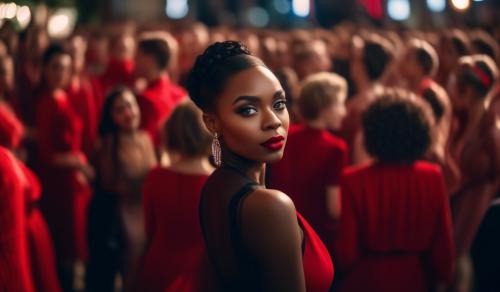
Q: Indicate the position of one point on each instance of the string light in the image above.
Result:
(460, 5)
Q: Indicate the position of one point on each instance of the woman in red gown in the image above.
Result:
(40, 246)
(15, 274)
(171, 214)
(63, 167)
(477, 150)
(313, 182)
(395, 229)
(255, 239)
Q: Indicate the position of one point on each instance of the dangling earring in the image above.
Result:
(216, 151)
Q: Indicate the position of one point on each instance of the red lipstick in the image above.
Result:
(275, 143)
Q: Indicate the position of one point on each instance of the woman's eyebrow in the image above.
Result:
(278, 94)
(247, 98)
(252, 98)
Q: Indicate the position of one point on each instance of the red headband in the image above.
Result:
(483, 77)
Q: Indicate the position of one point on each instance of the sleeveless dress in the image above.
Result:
(317, 264)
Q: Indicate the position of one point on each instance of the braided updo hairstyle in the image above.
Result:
(214, 67)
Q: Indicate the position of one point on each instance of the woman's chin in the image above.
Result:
(274, 158)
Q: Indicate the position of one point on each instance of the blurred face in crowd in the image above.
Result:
(77, 46)
(251, 115)
(125, 112)
(123, 47)
(6, 74)
(58, 71)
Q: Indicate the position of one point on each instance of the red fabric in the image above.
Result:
(175, 242)
(316, 261)
(11, 128)
(118, 72)
(313, 160)
(82, 97)
(157, 101)
(395, 229)
(66, 197)
(43, 263)
(14, 258)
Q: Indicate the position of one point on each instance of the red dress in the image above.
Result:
(313, 160)
(82, 97)
(43, 263)
(15, 272)
(157, 101)
(243, 275)
(11, 129)
(66, 194)
(175, 242)
(395, 232)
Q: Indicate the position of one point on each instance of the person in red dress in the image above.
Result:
(371, 60)
(171, 195)
(395, 229)
(15, 273)
(63, 167)
(160, 96)
(312, 182)
(40, 246)
(477, 150)
(81, 93)
(255, 239)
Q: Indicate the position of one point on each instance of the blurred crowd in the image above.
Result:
(103, 155)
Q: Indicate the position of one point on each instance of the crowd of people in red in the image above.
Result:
(392, 159)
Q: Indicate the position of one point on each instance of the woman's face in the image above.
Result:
(58, 71)
(125, 112)
(251, 115)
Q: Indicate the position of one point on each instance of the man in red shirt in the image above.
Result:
(160, 96)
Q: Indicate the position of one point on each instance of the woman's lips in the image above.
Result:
(275, 143)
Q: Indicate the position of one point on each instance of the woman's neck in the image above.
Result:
(127, 134)
(190, 165)
(251, 169)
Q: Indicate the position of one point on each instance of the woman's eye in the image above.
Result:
(280, 105)
(247, 111)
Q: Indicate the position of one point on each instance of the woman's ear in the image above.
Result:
(211, 123)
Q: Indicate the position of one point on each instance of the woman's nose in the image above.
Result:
(271, 120)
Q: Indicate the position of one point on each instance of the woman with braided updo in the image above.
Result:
(255, 239)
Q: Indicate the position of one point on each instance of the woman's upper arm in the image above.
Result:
(272, 235)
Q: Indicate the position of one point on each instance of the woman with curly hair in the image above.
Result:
(254, 237)
(395, 227)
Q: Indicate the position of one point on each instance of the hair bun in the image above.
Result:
(204, 64)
